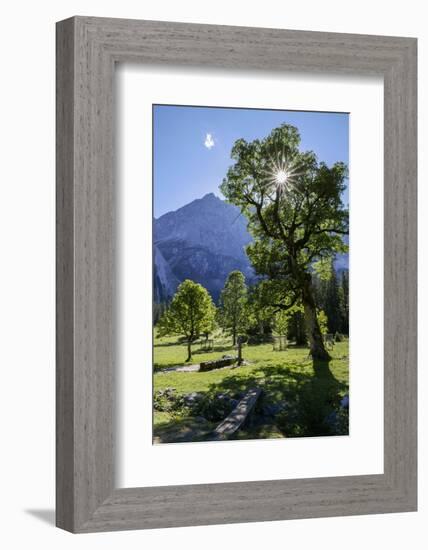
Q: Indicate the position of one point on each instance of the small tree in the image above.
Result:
(210, 328)
(280, 327)
(284, 319)
(233, 303)
(329, 296)
(260, 316)
(190, 314)
(334, 303)
(297, 327)
(281, 322)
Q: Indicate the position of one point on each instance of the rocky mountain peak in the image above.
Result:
(203, 240)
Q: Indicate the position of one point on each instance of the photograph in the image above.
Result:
(210, 275)
(250, 273)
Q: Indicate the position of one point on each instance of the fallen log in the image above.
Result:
(238, 416)
(216, 364)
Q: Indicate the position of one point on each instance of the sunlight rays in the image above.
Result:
(280, 174)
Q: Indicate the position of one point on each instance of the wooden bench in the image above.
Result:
(238, 416)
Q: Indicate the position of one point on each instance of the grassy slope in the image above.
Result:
(311, 389)
(169, 352)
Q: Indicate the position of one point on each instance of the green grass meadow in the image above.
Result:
(302, 397)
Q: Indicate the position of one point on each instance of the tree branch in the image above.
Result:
(285, 307)
(331, 230)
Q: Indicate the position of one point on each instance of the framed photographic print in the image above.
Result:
(236, 274)
(229, 274)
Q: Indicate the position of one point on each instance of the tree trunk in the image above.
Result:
(239, 352)
(189, 350)
(299, 329)
(234, 337)
(316, 342)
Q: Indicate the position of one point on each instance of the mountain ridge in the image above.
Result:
(203, 240)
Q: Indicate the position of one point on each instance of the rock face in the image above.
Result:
(165, 282)
(203, 241)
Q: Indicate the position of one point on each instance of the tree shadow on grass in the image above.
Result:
(182, 430)
(158, 344)
(302, 399)
(316, 401)
(309, 397)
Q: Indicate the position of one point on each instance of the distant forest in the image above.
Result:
(331, 296)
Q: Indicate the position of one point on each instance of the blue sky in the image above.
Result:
(191, 149)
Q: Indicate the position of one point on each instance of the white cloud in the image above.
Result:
(209, 141)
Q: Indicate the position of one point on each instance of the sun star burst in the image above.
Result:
(281, 177)
(280, 173)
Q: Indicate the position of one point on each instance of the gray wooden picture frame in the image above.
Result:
(87, 50)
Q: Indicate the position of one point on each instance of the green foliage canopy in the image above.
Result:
(190, 314)
(294, 223)
(233, 304)
(296, 216)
